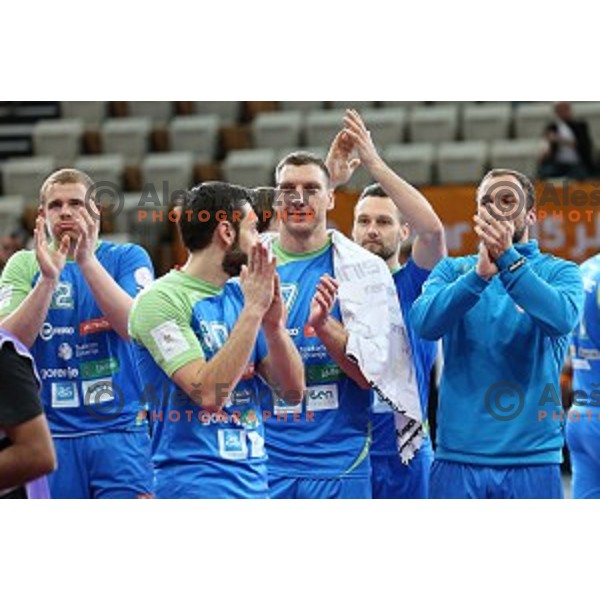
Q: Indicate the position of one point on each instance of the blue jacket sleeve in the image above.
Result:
(555, 303)
(447, 296)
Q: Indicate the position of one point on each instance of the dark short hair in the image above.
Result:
(376, 191)
(302, 159)
(523, 180)
(210, 199)
(264, 207)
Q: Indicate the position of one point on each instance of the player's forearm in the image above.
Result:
(444, 303)
(414, 207)
(218, 378)
(31, 456)
(555, 306)
(19, 466)
(285, 364)
(335, 338)
(112, 300)
(26, 321)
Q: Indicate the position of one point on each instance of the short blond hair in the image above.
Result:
(65, 177)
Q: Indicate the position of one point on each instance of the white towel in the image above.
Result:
(378, 341)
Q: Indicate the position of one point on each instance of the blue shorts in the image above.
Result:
(114, 465)
(209, 482)
(583, 439)
(283, 488)
(391, 480)
(457, 481)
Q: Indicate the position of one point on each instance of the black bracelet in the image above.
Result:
(517, 265)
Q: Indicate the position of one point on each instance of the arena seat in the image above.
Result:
(521, 155)
(461, 162)
(413, 162)
(91, 113)
(322, 126)
(168, 173)
(250, 168)
(59, 138)
(486, 122)
(24, 177)
(433, 124)
(229, 112)
(387, 125)
(531, 119)
(277, 130)
(104, 167)
(197, 134)
(160, 112)
(126, 136)
(11, 211)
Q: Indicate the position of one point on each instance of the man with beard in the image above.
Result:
(385, 216)
(505, 316)
(69, 301)
(203, 342)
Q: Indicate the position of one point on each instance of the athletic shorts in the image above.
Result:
(282, 488)
(393, 480)
(583, 439)
(113, 465)
(458, 481)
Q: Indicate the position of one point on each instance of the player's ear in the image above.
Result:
(331, 204)
(532, 217)
(226, 233)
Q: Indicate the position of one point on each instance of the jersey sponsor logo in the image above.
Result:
(323, 374)
(170, 340)
(62, 298)
(65, 395)
(56, 373)
(580, 364)
(98, 391)
(143, 277)
(322, 397)
(232, 444)
(94, 326)
(282, 407)
(48, 331)
(214, 335)
(240, 397)
(85, 350)
(293, 332)
(100, 368)
(6, 294)
(249, 419)
(65, 351)
(309, 332)
(289, 293)
(257, 444)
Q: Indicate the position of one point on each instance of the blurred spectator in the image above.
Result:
(10, 244)
(568, 151)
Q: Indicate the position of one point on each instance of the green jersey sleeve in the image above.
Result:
(17, 281)
(161, 323)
